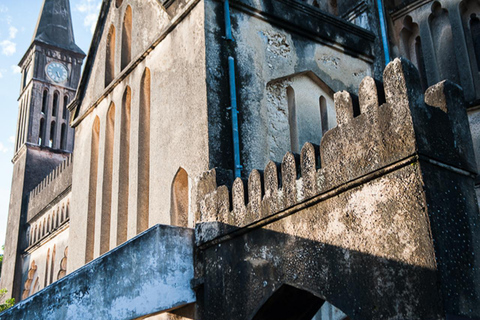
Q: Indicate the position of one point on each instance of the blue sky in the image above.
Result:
(17, 23)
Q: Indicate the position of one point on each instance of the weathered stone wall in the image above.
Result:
(146, 275)
(384, 226)
(175, 59)
(272, 40)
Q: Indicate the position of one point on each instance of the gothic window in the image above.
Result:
(63, 137)
(179, 199)
(144, 154)
(65, 110)
(323, 114)
(52, 135)
(127, 38)
(292, 120)
(124, 167)
(28, 285)
(41, 132)
(55, 104)
(107, 182)
(44, 101)
(25, 77)
(52, 265)
(421, 63)
(110, 58)
(92, 199)
(45, 281)
(63, 265)
(411, 47)
(442, 37)
(54, 220)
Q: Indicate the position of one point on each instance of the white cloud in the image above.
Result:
(11, 139)
(3, 148)
(90, 8)
(13, 32)
(15, 69)
(1, 74)
(3, 8)
(8, 47)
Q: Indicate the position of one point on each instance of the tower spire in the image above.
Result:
(54, 26)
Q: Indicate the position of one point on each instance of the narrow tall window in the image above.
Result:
(25, 77)
(45, 282)
(421, 63)
(65, 110)
(92, 197)
(179, 199)
(292, 120)
(55, 104)
(144, 154)
(52, 135)
(323, 114)
(475, 30)
(41, 132)
(44, 101)
(63, 137)
(52, 264)
(107, 181)
(127, 38)
(124, 167)
(110, 58)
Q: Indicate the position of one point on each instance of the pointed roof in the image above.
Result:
(54, 26)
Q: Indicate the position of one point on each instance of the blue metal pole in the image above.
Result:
(233, 108)
(228, 23)
(383, 27)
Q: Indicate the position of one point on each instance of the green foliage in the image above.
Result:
(8, 303)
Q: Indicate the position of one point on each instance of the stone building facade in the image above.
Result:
(173, 89)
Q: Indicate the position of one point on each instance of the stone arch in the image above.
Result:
(55, 104)
(118, 3)
(52, 139)
(110, 56)
(411, 47)
(41, 132)
(63, 265)
(92, 197)
(45, 101)
(124, 167)
(442, 38)
(65, 104)
(127, 37)
(143, 192)
(63, 137)
(179, 199)
(291, 303)
(107, 181)
(28, 285)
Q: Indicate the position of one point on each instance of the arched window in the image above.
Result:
(49, 224)
(118, 3)
(442, 37)
(54, 220)
(144, 154)
(52, 265)
(67, 210)
(292, 120)
(55, 104)
(92, 197)
(124, 169)
(65, 110)
(127, 38)
(45, 282)
(25, 76)
(421, 63)
(63, 137)
(44, 101)
(52, 135)
(323, 114)
(41, 132)
(107, 182)
(179, 199)
(110, 58)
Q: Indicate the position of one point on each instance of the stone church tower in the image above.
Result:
(51, 70)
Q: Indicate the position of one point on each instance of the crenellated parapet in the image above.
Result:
(54, 184)
(396, 123)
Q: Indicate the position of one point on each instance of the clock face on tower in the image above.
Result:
(57, 72)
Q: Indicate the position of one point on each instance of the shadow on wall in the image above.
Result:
(268, 275)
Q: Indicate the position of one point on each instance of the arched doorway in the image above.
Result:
(290, 303)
